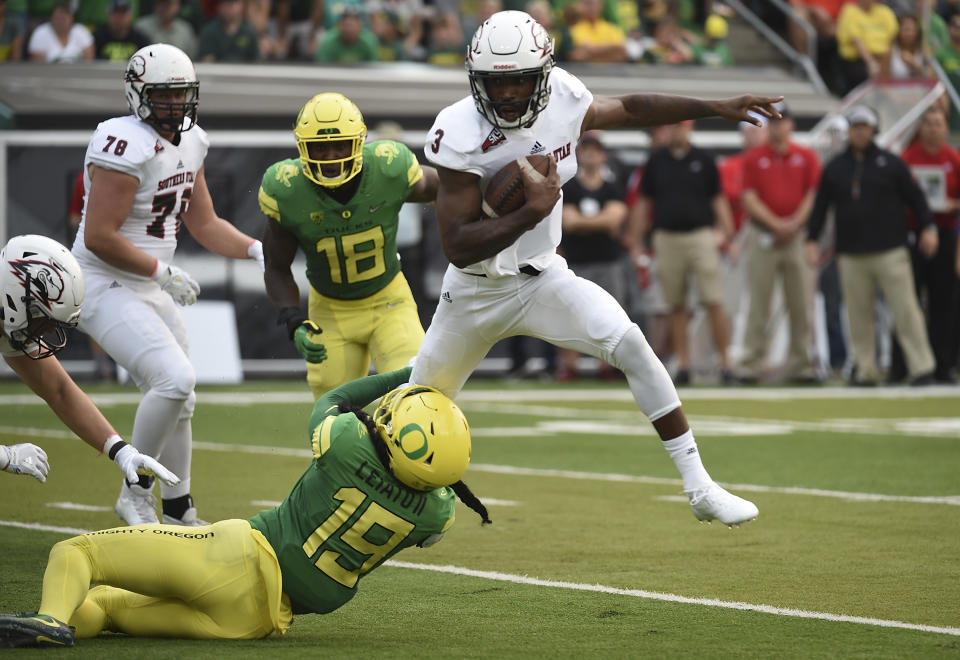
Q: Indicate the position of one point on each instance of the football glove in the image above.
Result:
(255, 252)
(177, 282)
(300, 329)
(25, 459)
(132, 463)
(304, 339)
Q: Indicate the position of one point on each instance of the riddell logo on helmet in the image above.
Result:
(504, 66)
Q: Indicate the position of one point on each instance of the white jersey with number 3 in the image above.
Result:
(461, 139)
(166, 173)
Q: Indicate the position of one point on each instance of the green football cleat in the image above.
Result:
(36, 630)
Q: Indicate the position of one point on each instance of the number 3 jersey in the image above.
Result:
(345, 516)
(166, 173)
(351, 249)
(461, 139)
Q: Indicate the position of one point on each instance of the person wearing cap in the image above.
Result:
(713, 49)
(117, 40)
(779, 185)
(229, 37)
(594, 215)
(870, 190)
(60, 39)
(681, 191)
(350, 42)
(164, 26)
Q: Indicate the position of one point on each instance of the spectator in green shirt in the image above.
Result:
(229, 37)
(350, 41)
(713, 49)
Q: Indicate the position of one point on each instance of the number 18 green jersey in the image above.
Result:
(351, 248)
(347, 514)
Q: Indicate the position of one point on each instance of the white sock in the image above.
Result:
(683, 451)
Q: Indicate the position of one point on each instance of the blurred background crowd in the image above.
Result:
(769, 296)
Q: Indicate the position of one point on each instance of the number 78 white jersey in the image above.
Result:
(166, 173)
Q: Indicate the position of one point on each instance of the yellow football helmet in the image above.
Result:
(330, 117)
(426, 435)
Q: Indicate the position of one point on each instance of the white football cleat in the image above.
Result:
(136, 505)
(715, 503)
(189, 519)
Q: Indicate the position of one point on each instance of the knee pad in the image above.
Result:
(188, 406)
(649, 381)
(171, 378)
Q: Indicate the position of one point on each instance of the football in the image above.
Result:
(504, 193)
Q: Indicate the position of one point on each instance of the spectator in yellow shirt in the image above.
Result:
(866, 30)
(595, 39)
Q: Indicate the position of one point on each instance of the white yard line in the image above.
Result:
(562, 474)
(248, 398)
(674, 598)
(599, 588)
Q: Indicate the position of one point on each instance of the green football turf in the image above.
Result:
(842, 531)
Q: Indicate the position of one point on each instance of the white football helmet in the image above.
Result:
(162, 66)
(42, 289)
(510, 44)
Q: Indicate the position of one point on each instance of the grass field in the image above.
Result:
(593, 551)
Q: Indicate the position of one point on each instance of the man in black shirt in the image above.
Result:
(681, 191)
(116, 40)
(593, 216)
(870, 190)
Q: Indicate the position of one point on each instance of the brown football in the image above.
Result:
(504, 193)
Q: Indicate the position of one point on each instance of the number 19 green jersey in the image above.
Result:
(347, 514)
(351, 248)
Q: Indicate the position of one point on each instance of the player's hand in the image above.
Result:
(811, 252)
(305, 338)
(929, 242)
(25, 459)
(740, 107)
(541, 195)
(178, 283)
(133, 464)
(255, 252)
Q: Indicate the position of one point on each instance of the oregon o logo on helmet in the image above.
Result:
(413, 429)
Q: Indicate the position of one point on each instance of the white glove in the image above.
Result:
(255, 252)
(177, 282)
(133, 463)
(25, 459)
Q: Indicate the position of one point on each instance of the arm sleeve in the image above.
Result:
(117, 146)
(358, 392)
(266, 197)
(818, 216)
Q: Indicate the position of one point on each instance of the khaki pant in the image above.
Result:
(765, 264)
(682, 253)
(861, 276)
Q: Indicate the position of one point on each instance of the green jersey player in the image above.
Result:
(339, 203)
(377, 484)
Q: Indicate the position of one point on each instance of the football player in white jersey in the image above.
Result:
(505, 276)
(144, 175)
(41, 291)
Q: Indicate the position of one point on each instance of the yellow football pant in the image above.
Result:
(384, 326)
(219, 581)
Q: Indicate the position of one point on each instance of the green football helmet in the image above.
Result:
(426, 435)
(330, 117)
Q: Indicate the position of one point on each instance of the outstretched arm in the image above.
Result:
(360, 392)
(211, 231)
(655, 109)
(50, 381)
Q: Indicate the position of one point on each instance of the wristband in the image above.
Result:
(159, 268)
(292, 317)
(113, 445)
